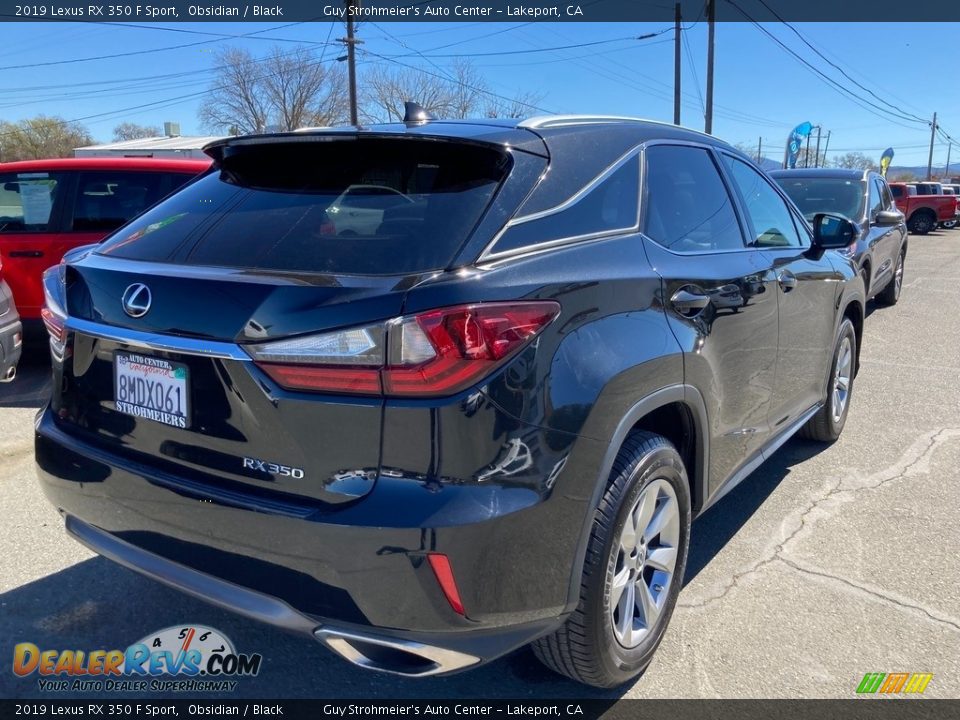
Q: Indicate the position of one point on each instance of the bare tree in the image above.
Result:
(132, 131)
(41, 137)
(459, 91)
(289, 89)
(855, 161)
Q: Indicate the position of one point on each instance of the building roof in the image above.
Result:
(180, 142)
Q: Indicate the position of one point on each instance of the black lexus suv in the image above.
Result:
(432, 391)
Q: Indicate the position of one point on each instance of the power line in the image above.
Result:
(139, 52)
(840, 69)
(470, 87)
(833, 83)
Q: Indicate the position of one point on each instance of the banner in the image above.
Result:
(794, 143)
(885, 161)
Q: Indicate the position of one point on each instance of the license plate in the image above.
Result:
(152, 388)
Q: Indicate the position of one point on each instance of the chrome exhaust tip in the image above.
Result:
(9, 375)
(391, 655)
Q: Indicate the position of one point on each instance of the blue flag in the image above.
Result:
(794, 143)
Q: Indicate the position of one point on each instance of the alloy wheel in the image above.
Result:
(645, 563)
(841, 379)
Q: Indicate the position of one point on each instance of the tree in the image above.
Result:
(41, 137)
(456, 92)
(287, 89)
(132, 131)
(855, 161)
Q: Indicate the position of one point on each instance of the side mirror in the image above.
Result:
(833, 232)
(889, 217)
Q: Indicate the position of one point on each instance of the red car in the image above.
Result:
(48, 207)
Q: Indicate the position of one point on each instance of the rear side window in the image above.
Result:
(107, 199)
(896, 190)
(27, 200)
(351, 206)
(609, 207)
(688, 208)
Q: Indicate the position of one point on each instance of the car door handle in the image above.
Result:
(787, 280)
(689, 303)
(25, 253)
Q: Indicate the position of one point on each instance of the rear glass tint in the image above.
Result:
(352, 206)
(106, 199)
(26, 201)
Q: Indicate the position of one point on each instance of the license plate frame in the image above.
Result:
(154, 389)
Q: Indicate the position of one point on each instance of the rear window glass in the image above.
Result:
(609, 207)
(352, 206)
(26, 201)
(826, 195)
(107, 199)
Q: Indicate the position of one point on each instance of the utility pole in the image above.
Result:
(933, 135)
(806, 158)
(350, 41)
(759, 149)
(816, 160)
(946, 172)
(676, 64)
(825, 146)
(711, 22)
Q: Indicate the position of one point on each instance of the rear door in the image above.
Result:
(805, 289)
(31, 212)
(719, 296)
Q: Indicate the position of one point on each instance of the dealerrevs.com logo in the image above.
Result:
(183, 658)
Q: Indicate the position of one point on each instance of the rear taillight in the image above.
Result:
(54, 313)
(435, 353)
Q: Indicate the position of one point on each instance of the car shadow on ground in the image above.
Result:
(31, 387)
(96, 604)
(712, 531)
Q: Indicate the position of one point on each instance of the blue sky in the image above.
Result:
(760, 90)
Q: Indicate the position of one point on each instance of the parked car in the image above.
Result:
(951, 190)
(11, 334)
(923, 212)
(483, 426)
(879, 250)
(936, 188)
(360, 209)
(50, 206)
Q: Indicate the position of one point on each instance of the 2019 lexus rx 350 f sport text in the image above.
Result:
(482, 417)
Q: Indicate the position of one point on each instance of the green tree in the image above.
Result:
(41, 137)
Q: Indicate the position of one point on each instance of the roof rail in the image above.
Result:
(556, 121)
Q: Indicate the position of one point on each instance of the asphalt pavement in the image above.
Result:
(826, 564)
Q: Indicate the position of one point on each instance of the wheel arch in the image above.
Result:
(678, 413)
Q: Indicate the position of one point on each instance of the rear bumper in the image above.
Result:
(348, 577)
(11, 345)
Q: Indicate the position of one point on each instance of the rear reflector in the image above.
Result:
(435, 353)
(440, 564)
(54, 324)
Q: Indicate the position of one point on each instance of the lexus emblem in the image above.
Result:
(136, 300)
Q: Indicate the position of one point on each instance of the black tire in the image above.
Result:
(891, 293)
(922, 222)
(586, 648)
(827, 425)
